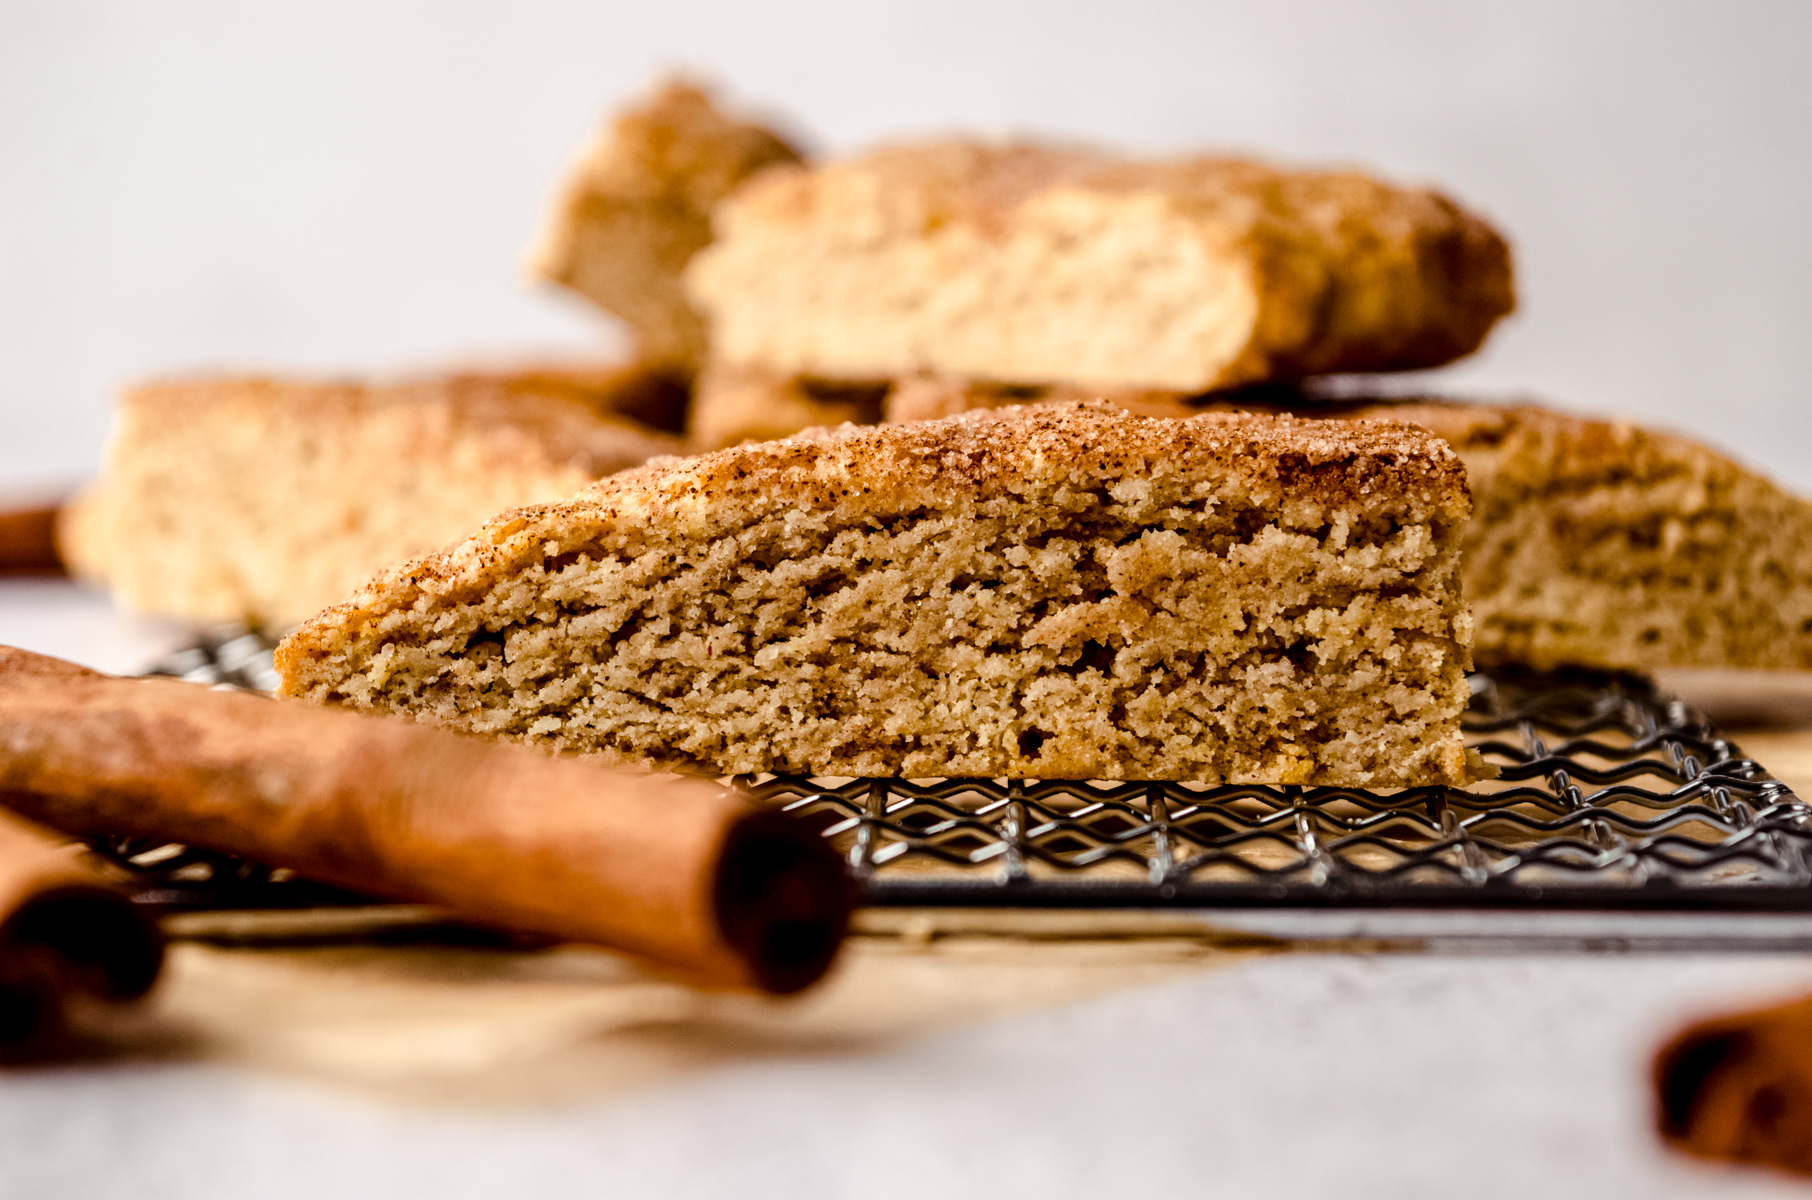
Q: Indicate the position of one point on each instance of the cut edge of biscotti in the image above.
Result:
(636, 204)
(1017, 261)
(1066, 591)
(262, 500)
(1595, 541)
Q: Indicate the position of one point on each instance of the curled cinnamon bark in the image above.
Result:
(681, 872)
(28, 543)
(1740, 1088)
(67, 939)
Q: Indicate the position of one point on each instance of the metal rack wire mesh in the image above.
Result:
(1610, 794)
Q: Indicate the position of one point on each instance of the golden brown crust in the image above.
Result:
(1552, 450)
(734, 404)
(1066, 591)
(637, 206)
(1040, 264)
(977, 455)
(536, 420)
(266, 500)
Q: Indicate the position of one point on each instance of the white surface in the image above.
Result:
(1482, 928)
(1302, 1076)
(345, 185)
(51, 616)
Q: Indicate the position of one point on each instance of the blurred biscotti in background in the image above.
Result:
(1037, 264)
(262, 500)
(638, 204)
(732, 404)
(1011, 264)
(1603, 544)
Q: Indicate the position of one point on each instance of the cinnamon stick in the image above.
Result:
(67, 939)
(681, 872)
(28, 542)
(1739, 1088)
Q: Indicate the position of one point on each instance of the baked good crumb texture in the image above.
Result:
(1033, 263)
(265, 501)
(1594, 542)
(636, 206)
(1064, 591)
(1600, 543)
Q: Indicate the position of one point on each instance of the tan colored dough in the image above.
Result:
(636, 206)
(266, 501)
(1065, 591)
(1600, 543)
(1022, 262)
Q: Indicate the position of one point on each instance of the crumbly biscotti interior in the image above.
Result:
(1593, 542)
(1065, 592)
(637, 206)
(1027, 262)
(263, 501)
(1599, 543)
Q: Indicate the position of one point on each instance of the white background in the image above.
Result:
(349, 185)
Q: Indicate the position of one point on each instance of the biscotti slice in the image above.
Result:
(1027, 263)
(1593, 542)
(1065, 592)
(637, 205)
(1600, 543)
(733, 404)
(267, 501)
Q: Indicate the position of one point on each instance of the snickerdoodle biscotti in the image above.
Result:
(1062, 592)
(266, 501)
(1600, 543)
(1593, 542)
(637, 205)
(1029, 263)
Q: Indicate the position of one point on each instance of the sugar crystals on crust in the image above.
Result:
(1062, 592)
(1031, 263)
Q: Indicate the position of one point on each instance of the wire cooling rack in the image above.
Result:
(1610, 795)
